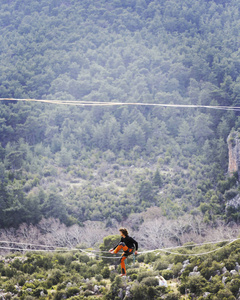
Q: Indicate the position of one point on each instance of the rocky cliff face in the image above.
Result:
(233, 141)
(235, 202)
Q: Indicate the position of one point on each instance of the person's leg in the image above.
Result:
(123, 267)
(122, 261)
(121, 246)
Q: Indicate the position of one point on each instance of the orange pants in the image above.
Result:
(126, 253)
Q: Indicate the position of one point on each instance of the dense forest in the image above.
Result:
(79, 164)
(70, 175)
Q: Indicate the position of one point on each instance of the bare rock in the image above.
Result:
(233, 272)
(224, 270)
(194, 274)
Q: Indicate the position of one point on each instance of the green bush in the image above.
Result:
(139, 292)
(150, 281)
(76, 265)
(105, 272)
(61, 286)
(29, 285)
(143, 292)
(84, 258)
(140, 258)
(145, 274)
(10, 288)
(133, 276)
(55, 277)
(230, 194)
(234, 286)
(59, 295)
(195, 284)
(113, 276)
(149, 257)
(60, 258)
(161, 264)
(176, 269)
(215, 285)
(16, 264)
(21, 280)
(99, 277)
(225, 294)
(172, 296)
(9, 272)
(230, 263)
(71, 291)
(37, 292)
(28, 268)
(167, 274)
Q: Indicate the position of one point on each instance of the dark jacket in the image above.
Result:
(128, 241)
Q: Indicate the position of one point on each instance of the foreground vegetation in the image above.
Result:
(77, 275)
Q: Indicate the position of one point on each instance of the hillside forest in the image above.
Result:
(77, 166)
(71, 175)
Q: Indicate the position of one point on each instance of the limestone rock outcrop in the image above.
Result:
(233, 141)
(235, 202)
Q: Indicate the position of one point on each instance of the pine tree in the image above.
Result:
(157, 179)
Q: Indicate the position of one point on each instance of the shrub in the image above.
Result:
(60, 258)
(133, 276)
(173, 296)
(61, 286)
(16, 264)
(56, 276)
(99, 277)
(112, 276)
(195, 284)
(28, 268)
(167, 274)
(176, 269)
(143, 292)
(10, 272)
(150, 281)
(223, 295)
(59, 295)
(230, 263)
(105, 272)
(149, 257)
(10, 288)
(234, 285)
(160, 265)
(179, 258)
(76, 265)
(145, 274)
(8, 296)
(84, 258)
(29, 285)
(230, 194)
(140, 258)
(73, 290)
(22, 280)
(38, 291)
(215, 284)
(139, 292)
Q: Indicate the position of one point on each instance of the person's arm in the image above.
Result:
(136, 245)
(115, 246)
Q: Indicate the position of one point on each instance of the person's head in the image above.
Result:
(123, 232)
